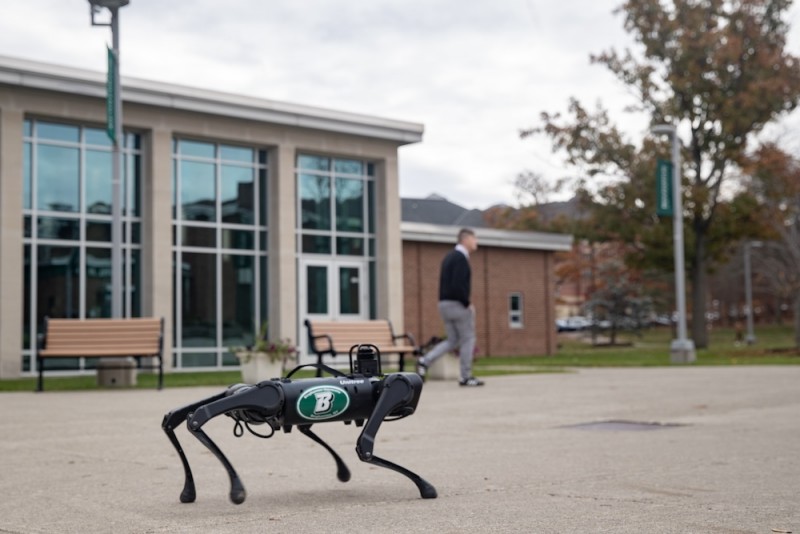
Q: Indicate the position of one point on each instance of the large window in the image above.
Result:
(67, 176)
(219, 244)
(336, 206)
(336, 223)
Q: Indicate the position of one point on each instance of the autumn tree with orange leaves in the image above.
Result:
(719, 71)
(775, 183)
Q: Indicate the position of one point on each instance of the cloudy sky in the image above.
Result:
(473, 72)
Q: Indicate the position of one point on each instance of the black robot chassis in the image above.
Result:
(365, 397)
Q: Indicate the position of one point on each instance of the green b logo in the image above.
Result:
(322, 402)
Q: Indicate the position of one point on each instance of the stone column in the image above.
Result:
(157, 274)
(11, 252)
(389, 269)
(282, 305)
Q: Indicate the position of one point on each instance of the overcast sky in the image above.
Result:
(474, 72)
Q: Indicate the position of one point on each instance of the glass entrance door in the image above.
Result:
(332, 290)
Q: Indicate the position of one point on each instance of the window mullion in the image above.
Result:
(218, 254)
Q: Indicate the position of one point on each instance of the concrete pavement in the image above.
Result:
(509, 457)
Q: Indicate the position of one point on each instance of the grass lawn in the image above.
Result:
(144, 380)
(774, 346)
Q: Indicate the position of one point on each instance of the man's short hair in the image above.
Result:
(464, 232)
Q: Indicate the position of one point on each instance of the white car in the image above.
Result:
(573, 324)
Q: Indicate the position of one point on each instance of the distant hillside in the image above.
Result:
(436, 209)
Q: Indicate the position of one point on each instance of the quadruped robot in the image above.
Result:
(365, 396)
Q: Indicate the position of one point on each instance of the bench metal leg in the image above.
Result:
(40, 380)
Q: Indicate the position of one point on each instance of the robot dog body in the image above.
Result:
(365, 397)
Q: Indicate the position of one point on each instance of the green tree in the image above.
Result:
(719, 71)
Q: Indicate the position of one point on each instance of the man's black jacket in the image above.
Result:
(454, 280)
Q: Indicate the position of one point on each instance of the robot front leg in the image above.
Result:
(263, 401)
(170, 422)
(396, 398)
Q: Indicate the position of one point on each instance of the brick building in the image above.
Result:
(513, 286)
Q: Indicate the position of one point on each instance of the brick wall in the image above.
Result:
(496, 273)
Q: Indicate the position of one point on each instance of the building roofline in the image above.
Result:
(434, 233)
(60, 78)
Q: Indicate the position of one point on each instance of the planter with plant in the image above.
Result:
(265, 359)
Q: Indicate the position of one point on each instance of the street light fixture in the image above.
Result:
(682, 349)
(109, 4)
(748, 290)
(116, 160)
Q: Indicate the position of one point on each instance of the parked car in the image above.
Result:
(573, 324)
(603, 324)
(661, 320)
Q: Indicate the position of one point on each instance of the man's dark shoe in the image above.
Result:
(471, 382)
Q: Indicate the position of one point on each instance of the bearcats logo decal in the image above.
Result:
(322, 402)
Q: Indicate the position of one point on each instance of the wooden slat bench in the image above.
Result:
(102, 338)
(337, 337)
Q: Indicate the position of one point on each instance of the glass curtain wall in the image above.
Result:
(219, 250)
(337, 217)
(67, 176)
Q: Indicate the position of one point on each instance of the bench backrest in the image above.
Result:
(140, 336)
(345, 334)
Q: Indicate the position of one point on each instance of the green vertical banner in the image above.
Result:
(111, 116)
(664, 188)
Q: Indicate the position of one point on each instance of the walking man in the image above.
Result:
(456, 310)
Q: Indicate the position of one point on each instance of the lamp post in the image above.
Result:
(682, 349)
(115, 132)
(748, 290)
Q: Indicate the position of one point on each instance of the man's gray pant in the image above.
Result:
(459, 325)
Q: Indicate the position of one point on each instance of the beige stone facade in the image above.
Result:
(160, 113)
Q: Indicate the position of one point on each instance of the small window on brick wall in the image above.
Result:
(515, 310)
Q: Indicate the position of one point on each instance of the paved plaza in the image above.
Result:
(524, 453)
